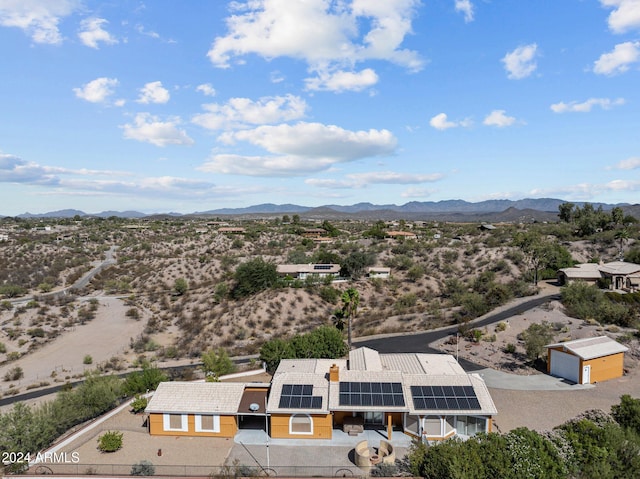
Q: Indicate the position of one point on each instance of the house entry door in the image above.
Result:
(371, 417)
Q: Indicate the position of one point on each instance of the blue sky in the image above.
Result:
(161, 105)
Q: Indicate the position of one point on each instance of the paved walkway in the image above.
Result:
(339, 438)
(534, 382)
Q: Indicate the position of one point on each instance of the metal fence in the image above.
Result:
(186, 470)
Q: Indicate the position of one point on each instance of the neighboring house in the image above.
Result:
(302, 271)
(4, 237)
(379, 272)
(622, 275)
(424, 395)
(402, 235)
(314, 232)
(231, 230)
(205, 409)
(586, 361)
(486, 227)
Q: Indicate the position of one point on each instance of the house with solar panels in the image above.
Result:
(428, 396)
(302, 271)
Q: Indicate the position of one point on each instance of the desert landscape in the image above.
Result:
(131, 311)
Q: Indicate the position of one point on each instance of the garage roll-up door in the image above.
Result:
(565, 365)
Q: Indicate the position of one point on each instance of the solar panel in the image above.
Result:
(369, 394)
(299, 396)
(444, 397)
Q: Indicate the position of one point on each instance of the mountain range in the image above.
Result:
(540, 209)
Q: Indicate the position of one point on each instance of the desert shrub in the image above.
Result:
(329, 294)
(133, 313)
(14, 374)
(139, 404)
(254, 276)
(535, 337)
(143, 381)
(216, 363)
(627, 413)
(510, 348)
(405, 301)
(110, 441)
(323, 342)
(87, 359)
(143, 468)
(3, 348)
(585, 301)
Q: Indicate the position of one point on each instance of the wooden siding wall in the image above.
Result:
(228, 427)
(605, 367)
(322, 427)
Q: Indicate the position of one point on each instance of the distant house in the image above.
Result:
(586, 361)
(379, 272)
(231, 230)
(486, 227)
(4, 237)
(302, 271)
(323, 240)
(402, 235)
(314, 232)
(621, 275)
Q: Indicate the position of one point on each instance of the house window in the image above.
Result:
(412, 424)
(300, 424)
(469, 425)
(175, 422)
(432, 426)
(207, 423)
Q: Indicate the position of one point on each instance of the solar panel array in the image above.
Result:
(371, 394)
(322, 266)
(299, 396)
(444, 397)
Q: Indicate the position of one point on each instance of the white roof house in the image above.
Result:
(180, 397)
(416, 388)
(589, 348)
(621, 274)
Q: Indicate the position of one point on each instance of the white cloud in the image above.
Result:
(98, 90)
(498, 118)
(625, 16)
(362, 180)
(465, 7)
(206, 89)
(587, 191)
(392, 177)
(92, 32)
(618, 61)
(319, 32)
(153, 92)
(520, 63)
(586, 106)
(628, 164)
(414, 192)
(340, 81)
(441, 122)
(150, 129)
(37, 18)
(299, 149)
(240, 112)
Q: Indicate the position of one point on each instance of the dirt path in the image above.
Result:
(102, 338)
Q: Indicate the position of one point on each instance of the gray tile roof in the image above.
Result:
(320, 385)
(179, 397)
(589, 348)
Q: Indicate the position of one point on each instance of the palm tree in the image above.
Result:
(622, 236)
(350, 299)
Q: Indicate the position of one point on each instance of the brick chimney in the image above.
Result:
(334, 373)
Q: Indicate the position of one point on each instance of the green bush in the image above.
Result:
(139, 404)
(143, 468)
(110, 441)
